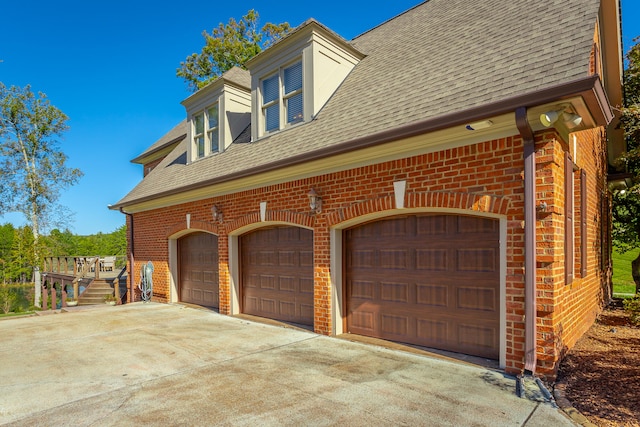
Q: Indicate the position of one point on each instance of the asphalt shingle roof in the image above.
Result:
(438, 58)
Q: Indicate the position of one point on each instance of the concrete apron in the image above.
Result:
(158, 364)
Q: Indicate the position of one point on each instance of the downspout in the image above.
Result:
(131, 256)
(529, 239)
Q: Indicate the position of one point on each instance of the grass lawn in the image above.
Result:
(622, 281)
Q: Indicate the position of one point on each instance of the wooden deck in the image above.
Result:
(88, 278)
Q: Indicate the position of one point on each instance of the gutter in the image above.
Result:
(529, 239)
(590, 88)
(131, 254)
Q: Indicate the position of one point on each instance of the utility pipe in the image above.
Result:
(131, 254)
(529, 239)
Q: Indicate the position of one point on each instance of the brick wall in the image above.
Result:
(483, 177)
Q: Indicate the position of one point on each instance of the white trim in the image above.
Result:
(234, 274)
(172, 248)
(234, 257)
(337, 261)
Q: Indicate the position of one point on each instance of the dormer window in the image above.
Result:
(282, 98)
(206, 139)
(212, 131)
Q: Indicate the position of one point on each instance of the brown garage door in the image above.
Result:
(430, 280)
(198, 269)
(277, 274)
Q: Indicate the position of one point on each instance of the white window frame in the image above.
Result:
(199, 136)
(210, 130)
(282, 100)
(206, 134)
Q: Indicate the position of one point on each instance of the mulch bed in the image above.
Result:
(601, 374)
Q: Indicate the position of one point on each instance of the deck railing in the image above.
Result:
(77, 265)
(77, 268)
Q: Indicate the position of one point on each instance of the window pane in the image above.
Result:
(213, 116)
(213, 139)
(272, 117)
(199, 123)
(200, 146)
(270, 90)
(293, 78)
(294, 109)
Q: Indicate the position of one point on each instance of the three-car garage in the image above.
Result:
(429, 280)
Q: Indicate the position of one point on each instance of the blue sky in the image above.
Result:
(110, 66)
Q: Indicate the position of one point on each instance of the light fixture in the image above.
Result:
(550, 117)
(315, 201)
(571, 120)
(483, 124)
(216, 213)
(542, 207)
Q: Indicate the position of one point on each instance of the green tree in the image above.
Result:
(229, 45)
(626, 203)
(23, 257)
(7, 232)
(33, 170)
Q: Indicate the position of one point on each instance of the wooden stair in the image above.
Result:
(95, 292)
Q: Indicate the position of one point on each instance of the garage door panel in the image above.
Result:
(432, 295)
(433, 286)
(432, 226)
(198, 269)
(472, 298)
(397, 259)
(476, 260)
(361, 290)
(432, 331)
(277, 274)
(306, 258)
(306, 285)
(432, 259)
(287, 284)
(396, 292)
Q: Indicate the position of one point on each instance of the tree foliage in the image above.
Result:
(229, 45)
(16, 248)
(626, 203)
(32, 168)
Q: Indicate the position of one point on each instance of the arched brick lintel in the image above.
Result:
(436, 199)
(294, 218)
(196, 225)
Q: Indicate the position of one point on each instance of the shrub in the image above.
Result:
(15, 297)
(632, 306)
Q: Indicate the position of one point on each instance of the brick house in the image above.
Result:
(440, 180)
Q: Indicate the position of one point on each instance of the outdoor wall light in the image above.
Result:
(569, 119)
(550, 117)
(483, 124)
(315, 201)
(216, 213)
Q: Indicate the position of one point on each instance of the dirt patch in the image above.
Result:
(601, 374)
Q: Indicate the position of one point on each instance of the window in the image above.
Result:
(198, 137)
(212, 129)
(282, 97)
(575, 238)
(206, 139)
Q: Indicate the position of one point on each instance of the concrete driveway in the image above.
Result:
(157, 364)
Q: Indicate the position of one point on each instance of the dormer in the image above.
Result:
(217, 114)
(293, 79)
